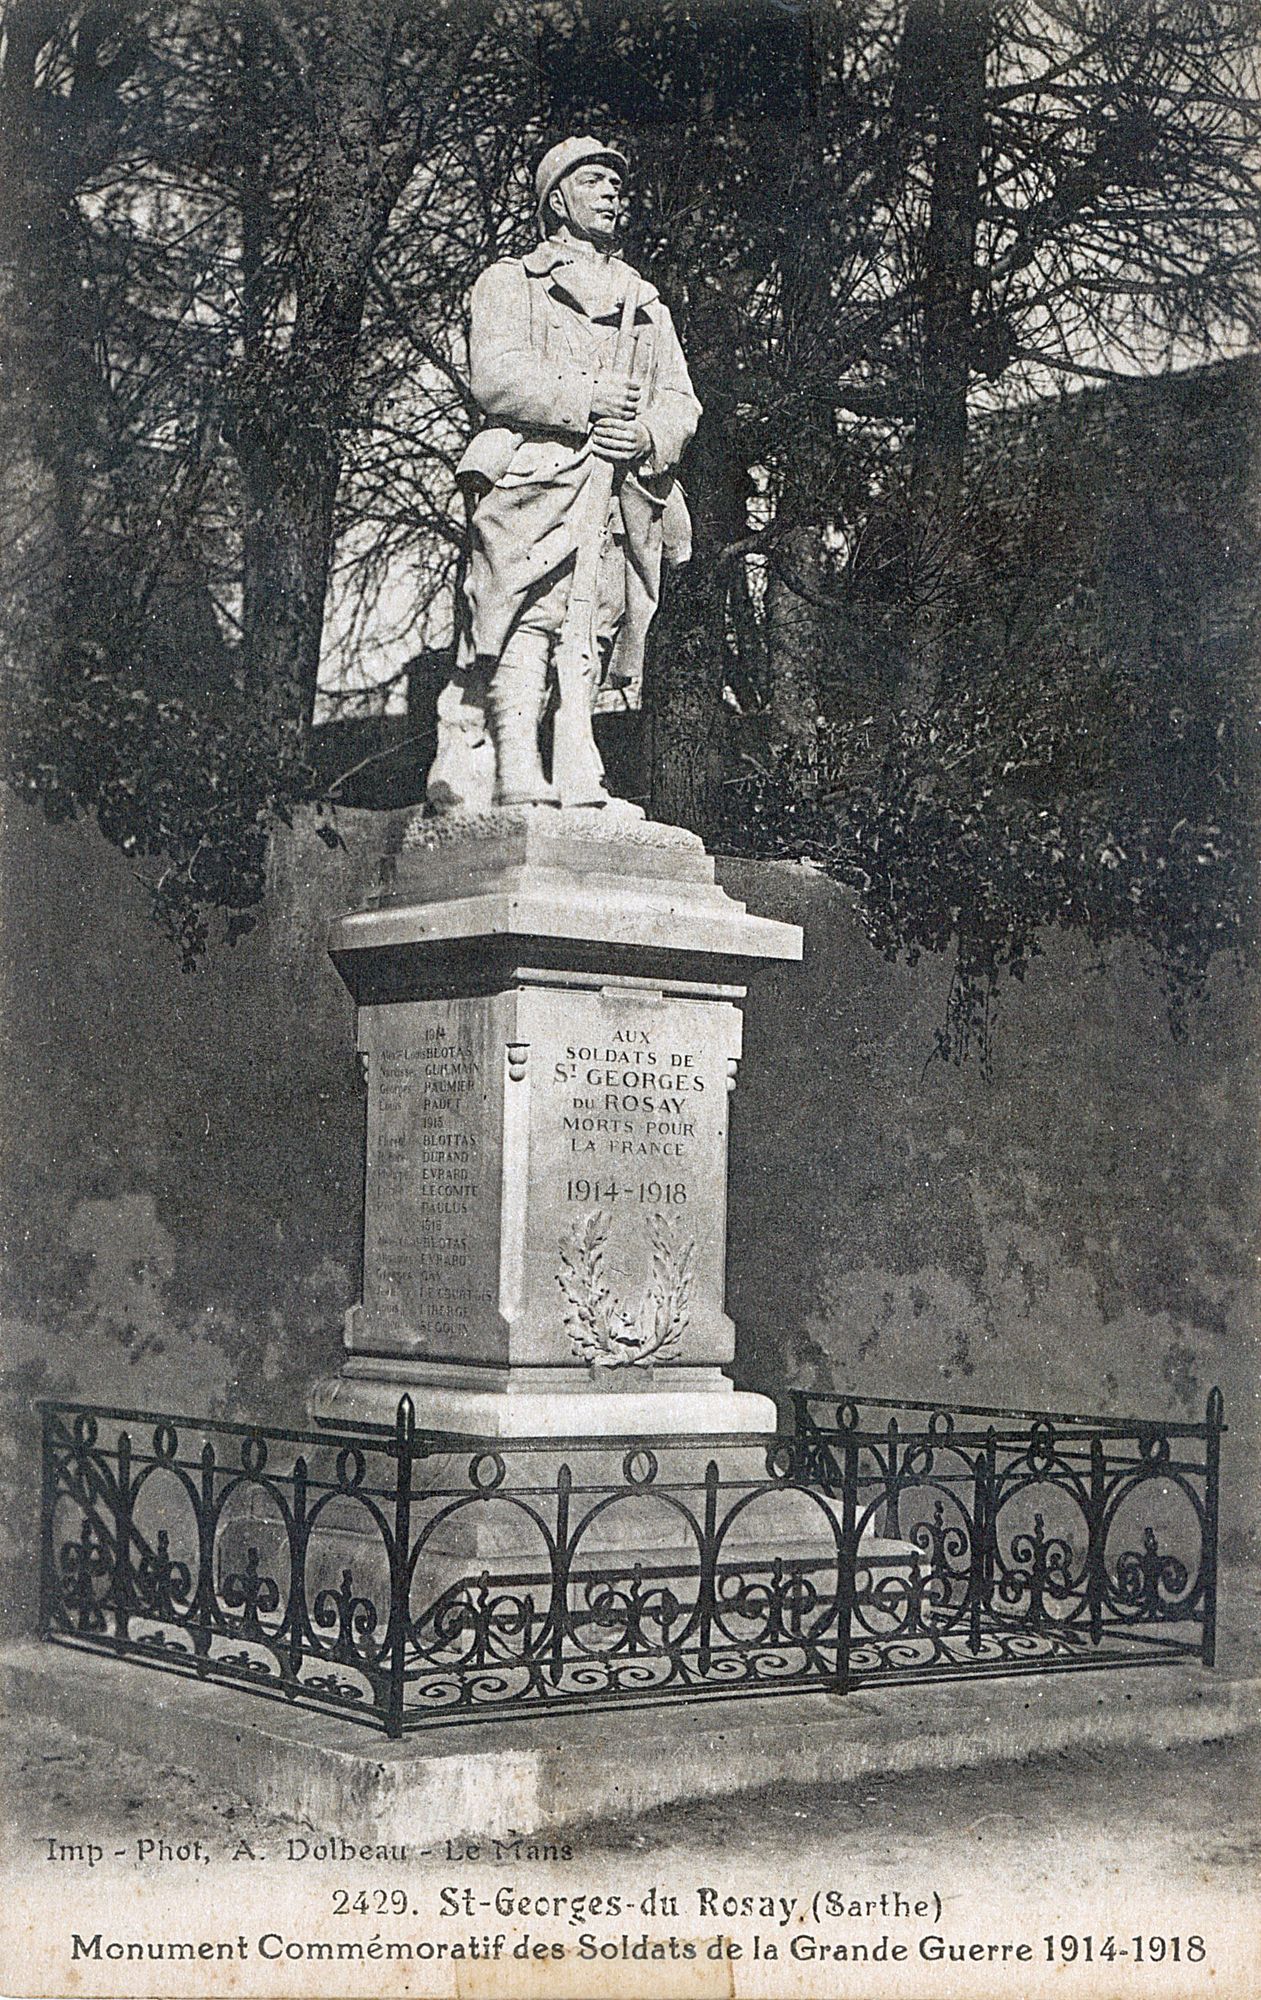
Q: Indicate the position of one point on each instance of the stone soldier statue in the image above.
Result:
(571, 494)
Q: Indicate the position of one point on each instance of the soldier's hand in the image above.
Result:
(621, 439)
(614, 396)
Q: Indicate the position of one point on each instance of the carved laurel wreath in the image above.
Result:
(601, 1332)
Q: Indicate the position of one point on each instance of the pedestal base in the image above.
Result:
(527, 1403)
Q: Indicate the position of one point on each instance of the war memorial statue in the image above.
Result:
(572, 496)
(548, 983)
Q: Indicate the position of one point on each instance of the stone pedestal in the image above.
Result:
(549, 1025)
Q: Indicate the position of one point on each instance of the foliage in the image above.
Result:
(190, 792)
(1090, 761)
(242, 243)
(948, 848)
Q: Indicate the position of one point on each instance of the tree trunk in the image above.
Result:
(290, 484)
(294, 398)
(794, 640)
(54, 407)
(683, 699)
(292, 401)
(286, 439)
(948, 44)
(687, 656)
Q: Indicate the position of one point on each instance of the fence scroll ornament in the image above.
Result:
(323, 1567)
(601, 1332)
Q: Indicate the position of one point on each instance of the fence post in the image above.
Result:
(1096, 1571)
(707, 1578)
(893, 1506)
(990, 1556)
(206, 1603)
(47, 1508)
(560, 1575)
(1213, 1427)
(400, 1555)
(121, 1581)
(847, 1563)
(296, 1612)
(980, 1533)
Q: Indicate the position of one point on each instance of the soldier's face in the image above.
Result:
(592, 198)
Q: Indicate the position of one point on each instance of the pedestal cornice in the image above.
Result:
(468, 899)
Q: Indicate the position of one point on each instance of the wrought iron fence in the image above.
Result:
(1048, 1539)
(414, 1577)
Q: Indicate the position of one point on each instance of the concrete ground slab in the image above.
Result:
(490, 1778)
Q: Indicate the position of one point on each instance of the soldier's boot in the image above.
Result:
(577, 766)
(518, 695)
(462, 774)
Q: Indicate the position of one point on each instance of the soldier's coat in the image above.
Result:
(543, 327)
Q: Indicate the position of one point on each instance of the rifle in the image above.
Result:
(577, 768)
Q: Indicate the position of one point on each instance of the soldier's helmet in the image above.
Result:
(561, 159)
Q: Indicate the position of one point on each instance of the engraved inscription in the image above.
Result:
(628, 1101)
(424, 1177)
(628, 1158)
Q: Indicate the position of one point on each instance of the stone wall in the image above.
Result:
(182, 1172)
(1077, 1231)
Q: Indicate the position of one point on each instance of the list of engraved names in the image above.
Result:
(425, 1170)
